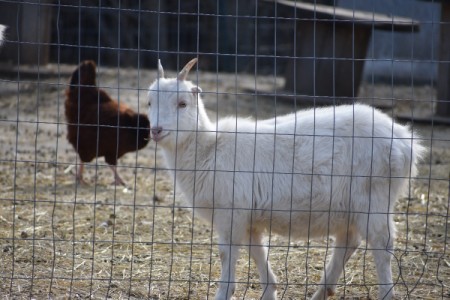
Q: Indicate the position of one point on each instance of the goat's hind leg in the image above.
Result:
(345, 245)
(381, 237)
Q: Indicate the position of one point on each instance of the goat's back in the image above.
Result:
(329, 161)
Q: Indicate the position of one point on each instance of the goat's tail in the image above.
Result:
(418, 152)
(406, 152)
(410, 150)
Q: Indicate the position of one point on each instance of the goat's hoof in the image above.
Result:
(322, 293)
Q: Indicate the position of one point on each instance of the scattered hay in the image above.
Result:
(58, 240)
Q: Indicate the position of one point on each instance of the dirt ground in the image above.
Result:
(59, 240)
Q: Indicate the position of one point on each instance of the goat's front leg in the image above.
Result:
(229, 253)
(258, 251)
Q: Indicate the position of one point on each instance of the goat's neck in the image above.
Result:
(194, 145)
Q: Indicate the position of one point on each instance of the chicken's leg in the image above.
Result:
(80, 179)
(117, 179)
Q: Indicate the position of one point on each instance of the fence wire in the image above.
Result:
(67, 236)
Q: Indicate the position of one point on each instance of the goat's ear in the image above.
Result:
(196, 90)
(160, 70)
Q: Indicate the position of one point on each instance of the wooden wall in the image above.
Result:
(226, 34)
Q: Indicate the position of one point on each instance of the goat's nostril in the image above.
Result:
(156, 130)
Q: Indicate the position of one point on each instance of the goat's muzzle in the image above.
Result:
(157, 133)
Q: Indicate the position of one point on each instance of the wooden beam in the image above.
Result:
(443, 82)
(371, 19)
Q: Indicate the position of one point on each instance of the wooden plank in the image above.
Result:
(29, 31)
(375, 20)
(431, 119)
(329, 59)
(443, 82)
(35, 32)
(442, 114)
(330, 48)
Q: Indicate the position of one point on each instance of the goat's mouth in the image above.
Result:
(159, 138)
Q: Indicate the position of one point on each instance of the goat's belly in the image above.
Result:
(302, 224)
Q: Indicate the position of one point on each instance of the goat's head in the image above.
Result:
(174, 106)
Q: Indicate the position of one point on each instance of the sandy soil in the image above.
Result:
(61, 240)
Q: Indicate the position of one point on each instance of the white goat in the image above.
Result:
(333, 171)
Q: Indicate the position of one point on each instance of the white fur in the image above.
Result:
(2, 31)
(333, 171)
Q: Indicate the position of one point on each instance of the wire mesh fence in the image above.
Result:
(66, 231)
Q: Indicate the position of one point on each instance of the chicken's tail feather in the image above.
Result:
(84, 75)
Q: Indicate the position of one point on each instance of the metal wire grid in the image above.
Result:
(59, 239)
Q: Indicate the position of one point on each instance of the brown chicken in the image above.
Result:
(98, 125)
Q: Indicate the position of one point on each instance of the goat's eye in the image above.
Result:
(149, 103)
(182, 104)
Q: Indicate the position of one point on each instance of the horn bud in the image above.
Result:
(160, 70)
(184, 73)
